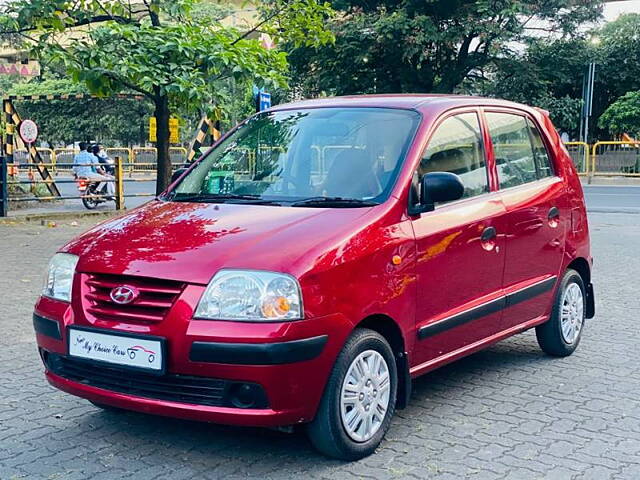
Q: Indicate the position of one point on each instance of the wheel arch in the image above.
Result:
(391, 331)
(581, 265)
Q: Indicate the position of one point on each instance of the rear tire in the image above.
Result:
(561, 334)
(89, 201)
(350, 422)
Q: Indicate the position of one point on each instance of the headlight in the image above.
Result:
(59, 279)
(251, 295)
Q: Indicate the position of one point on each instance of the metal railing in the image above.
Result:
(7, 181)
(123, 153)
(145, 158)
(615, 159)
(63, 156)
(606, 158)
(138, 159)
(579, 152)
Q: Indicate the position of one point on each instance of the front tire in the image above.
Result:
(561, 334)
(359, 398)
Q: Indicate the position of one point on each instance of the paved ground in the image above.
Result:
(506, 413)
(600, 198)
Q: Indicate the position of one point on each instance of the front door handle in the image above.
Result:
(488, 234)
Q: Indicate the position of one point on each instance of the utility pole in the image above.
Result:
(587, 102)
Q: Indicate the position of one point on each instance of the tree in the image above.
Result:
(619, 55)
(418, 46)
(623, 116)
(109, 120)
(159, 49)
(617, 61)
(548, 74)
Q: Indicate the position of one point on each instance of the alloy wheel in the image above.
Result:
(572, 312)
(364, 398)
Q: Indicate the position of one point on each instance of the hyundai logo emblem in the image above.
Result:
(124, 294)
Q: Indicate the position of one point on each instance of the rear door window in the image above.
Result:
(515, 159)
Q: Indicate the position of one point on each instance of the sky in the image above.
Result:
(613, 10)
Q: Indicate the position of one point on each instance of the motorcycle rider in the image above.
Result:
(86, 165)
(105, 162)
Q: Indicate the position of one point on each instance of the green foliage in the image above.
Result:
(7, 82)
(112, 121)
(623, 116)
(418, 46)
(619, 56)
(49, 86)
(160, 49)
(548, 75)
(564, 112)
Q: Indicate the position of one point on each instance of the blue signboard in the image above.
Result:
(264, 101)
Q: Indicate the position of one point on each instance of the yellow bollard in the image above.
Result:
(119, 185)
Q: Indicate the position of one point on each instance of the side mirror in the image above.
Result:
(438, 187)
(177, 174)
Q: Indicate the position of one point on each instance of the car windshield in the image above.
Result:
(343, 157)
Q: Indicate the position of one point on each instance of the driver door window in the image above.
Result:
(457, 147)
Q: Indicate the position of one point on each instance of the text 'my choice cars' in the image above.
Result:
(318, 258)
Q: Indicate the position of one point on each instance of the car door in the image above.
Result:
(460, 247)
(536, 215)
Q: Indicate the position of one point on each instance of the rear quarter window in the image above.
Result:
(541, 155)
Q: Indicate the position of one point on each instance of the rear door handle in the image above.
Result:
(488, 234)
(553, 216)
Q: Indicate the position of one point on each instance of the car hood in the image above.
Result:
(190, 242)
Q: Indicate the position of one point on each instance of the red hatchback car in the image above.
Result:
(318, 258)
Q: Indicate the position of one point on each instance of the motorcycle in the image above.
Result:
(91, 197)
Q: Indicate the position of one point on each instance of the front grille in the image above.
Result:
(155, 299)
(175, 388)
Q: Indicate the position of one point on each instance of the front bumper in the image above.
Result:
(290, 362)
(223, 415)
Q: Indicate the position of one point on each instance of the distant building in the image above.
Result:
(16, 62)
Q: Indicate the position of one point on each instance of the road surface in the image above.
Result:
(612, 199)
(507, 413)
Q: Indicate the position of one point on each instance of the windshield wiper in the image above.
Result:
(339, 202)
(223, 198)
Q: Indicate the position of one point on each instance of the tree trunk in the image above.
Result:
(142, 137)
(162, 144)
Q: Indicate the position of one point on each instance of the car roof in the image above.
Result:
(407, 101)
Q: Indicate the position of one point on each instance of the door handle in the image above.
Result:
(553, 216)
(488, 234)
